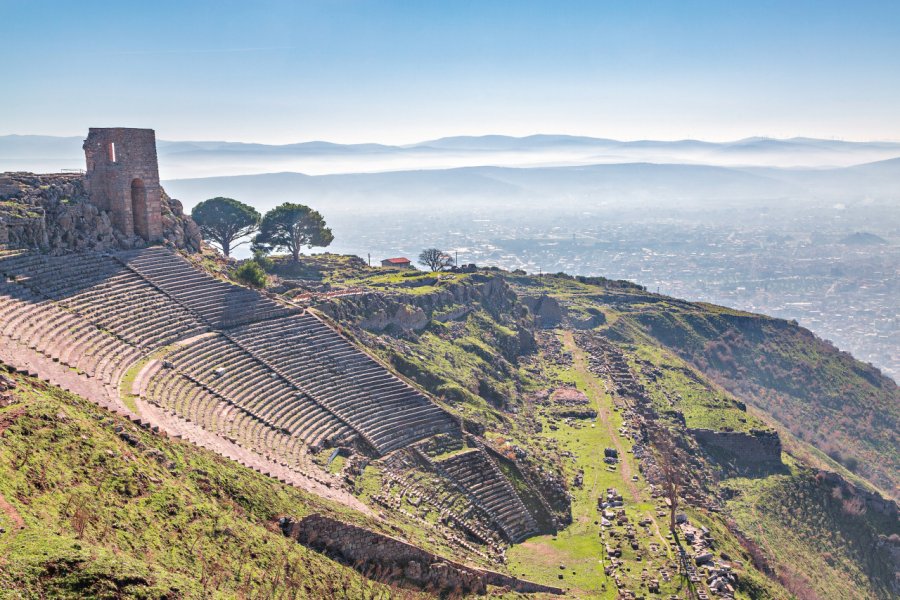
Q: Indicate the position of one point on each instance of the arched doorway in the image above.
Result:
(139, 208)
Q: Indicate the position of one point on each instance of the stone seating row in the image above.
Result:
(307, 352)
(104, 292)
(386, 412)
(191, 401)
(132, 309)
(58, 276)
(219, 303)
(294, 371)
(234, 374)
(62, 335)
(475, 473)
(403, 477)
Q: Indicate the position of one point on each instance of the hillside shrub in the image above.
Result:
(251, 273)
(261, 258)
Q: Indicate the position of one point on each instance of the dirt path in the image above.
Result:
(43, 367)
(12, 513)
(580, 363)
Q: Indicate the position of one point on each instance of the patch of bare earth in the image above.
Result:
(12, 513)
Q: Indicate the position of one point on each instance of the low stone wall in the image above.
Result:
(393, 561)
(754, 448)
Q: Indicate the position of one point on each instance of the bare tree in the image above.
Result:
(435, 259)
(667, 461)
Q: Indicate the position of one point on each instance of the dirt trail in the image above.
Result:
(580, 363)
(12, 513)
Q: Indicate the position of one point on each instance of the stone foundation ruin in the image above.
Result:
(394, 561)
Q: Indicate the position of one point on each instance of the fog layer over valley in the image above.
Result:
(188, 159)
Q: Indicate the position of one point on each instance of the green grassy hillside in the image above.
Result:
(846, 408)
(698, 365)
(822, 540)
(93, 507)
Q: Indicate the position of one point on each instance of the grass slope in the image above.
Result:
(693, 360)
(580, 548)
(822, 395)
(822, 543)
(86, 513)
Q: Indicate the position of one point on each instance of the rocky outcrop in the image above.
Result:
(53, 213)
(376, 312)
(412, 312)
(394, 561)
(179, 229)
(873, 500)
(546, 310)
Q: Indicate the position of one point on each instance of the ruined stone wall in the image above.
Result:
(756, 447)
(122, 178)
(394, 561)
(873, 500)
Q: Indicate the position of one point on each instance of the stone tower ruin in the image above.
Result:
(123, 178)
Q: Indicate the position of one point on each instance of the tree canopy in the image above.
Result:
(290, 227)
(435, 259)
(223, 221)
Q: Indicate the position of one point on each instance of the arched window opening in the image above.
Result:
(112, 152)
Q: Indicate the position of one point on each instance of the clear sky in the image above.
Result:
(403, 71)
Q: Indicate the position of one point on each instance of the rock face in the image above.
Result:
(53, 213)
(379, 312)
(547, 311)
(401, 316)
(873, 500)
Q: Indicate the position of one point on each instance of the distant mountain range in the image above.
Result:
(583, 187)
(189, 159)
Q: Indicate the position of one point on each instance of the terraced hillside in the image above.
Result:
(277, 365)
(539, 447)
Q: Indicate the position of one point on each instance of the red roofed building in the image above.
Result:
(403, 263)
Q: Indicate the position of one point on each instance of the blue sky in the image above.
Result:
(398, 72)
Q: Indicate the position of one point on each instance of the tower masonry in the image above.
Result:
(122, 178)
